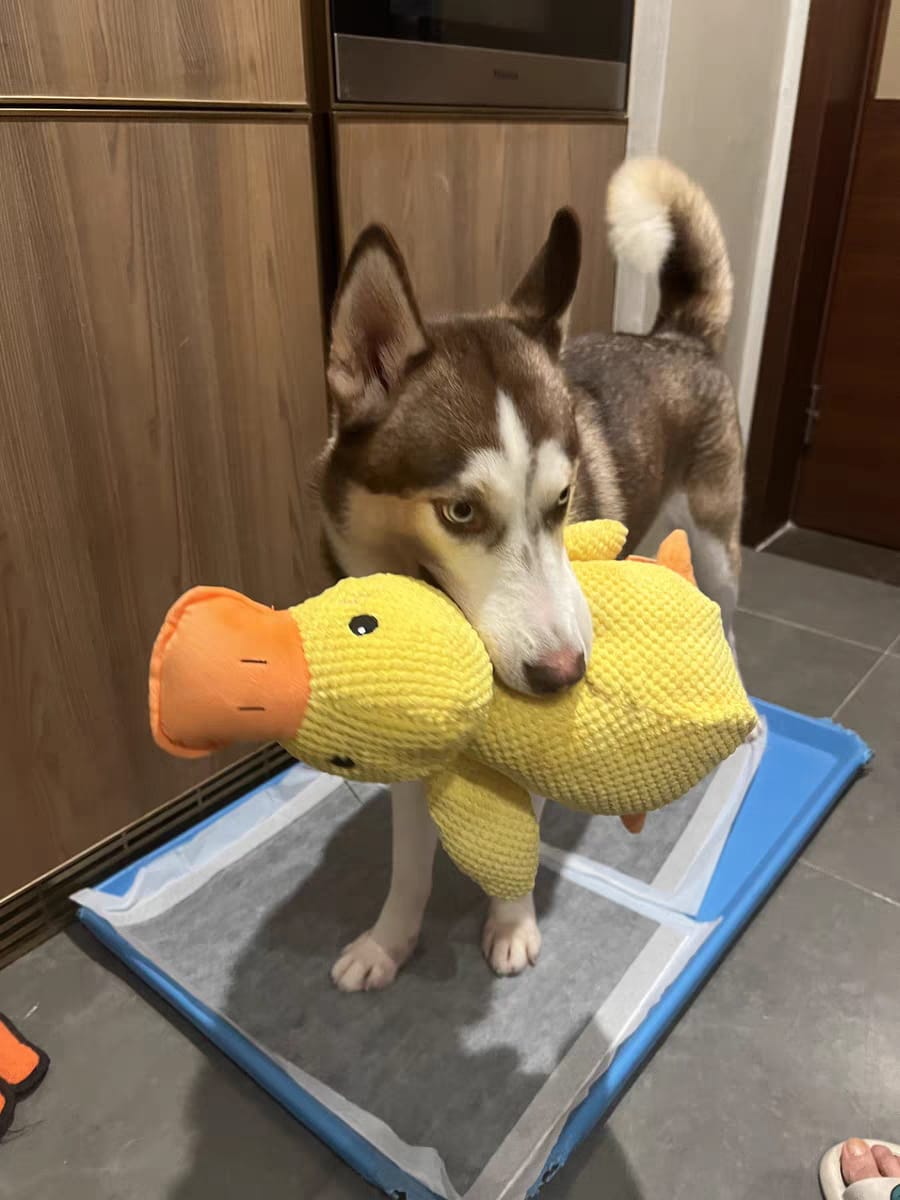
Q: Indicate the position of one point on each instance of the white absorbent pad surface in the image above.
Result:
(672, 861)
(463, 1079)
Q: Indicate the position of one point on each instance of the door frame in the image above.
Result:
(840, 62)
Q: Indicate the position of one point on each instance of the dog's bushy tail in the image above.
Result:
(662, 223)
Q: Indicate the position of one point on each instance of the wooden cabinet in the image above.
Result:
(470, 202)
(161, 397)
(208, 51)
(161, 349)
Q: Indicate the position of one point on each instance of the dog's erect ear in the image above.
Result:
(540, 304)
(375, 330)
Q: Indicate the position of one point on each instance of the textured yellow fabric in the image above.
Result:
(487, 826)
(661, 704)
(595, 541)
(399, 700)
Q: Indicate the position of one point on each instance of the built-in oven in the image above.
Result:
(570, 54)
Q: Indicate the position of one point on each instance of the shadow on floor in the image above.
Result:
(598, 1169)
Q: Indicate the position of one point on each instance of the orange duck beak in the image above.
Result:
(225, 669)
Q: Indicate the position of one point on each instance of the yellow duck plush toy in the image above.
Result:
(383, 679)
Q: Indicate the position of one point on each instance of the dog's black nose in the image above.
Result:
(555, 672)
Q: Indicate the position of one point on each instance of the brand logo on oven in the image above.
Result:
(505, 73)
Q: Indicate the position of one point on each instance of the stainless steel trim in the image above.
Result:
(383, 71)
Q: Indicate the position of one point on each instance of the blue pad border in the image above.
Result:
(807, 766)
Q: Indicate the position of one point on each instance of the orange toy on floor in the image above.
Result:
(22, 1067)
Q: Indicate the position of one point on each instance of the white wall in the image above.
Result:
(713, 87)
(889, 75)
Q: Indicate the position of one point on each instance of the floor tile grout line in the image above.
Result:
(770, 541)
(859, 887)
(885, 575)
(835, 637)
(860, 682)
(888, 580)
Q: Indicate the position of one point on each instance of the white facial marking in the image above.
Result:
(553, 472)
(516, 584)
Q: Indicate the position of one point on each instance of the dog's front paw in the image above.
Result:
(365, 966)
(511, 940)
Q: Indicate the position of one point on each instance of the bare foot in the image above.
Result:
(365, 966)
(511, 940)
(860, 1161)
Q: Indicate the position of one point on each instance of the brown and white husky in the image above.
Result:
(459, 447)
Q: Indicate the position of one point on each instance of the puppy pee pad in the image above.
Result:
(520, 1054)
(673, 859)
(457, 1076)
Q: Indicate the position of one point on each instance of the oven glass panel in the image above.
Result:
(598, 29)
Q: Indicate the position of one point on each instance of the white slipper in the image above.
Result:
(832, 1183)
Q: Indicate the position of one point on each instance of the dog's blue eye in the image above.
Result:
(363, 624)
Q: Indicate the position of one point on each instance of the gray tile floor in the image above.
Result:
(794, 1043)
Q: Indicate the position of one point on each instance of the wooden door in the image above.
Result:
(849, 479)
(470, 202)
(161, 396)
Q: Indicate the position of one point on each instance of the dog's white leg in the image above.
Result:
(716, 572)
(373, 960)
(511, 940)
(716, 560)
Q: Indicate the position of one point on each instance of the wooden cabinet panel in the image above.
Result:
(161, 397)
(227, 51)
(470, 202)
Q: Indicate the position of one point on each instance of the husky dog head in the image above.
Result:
(454, 449)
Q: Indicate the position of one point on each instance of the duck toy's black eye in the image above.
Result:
(363, 624)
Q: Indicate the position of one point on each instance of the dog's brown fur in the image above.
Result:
(678, 432)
